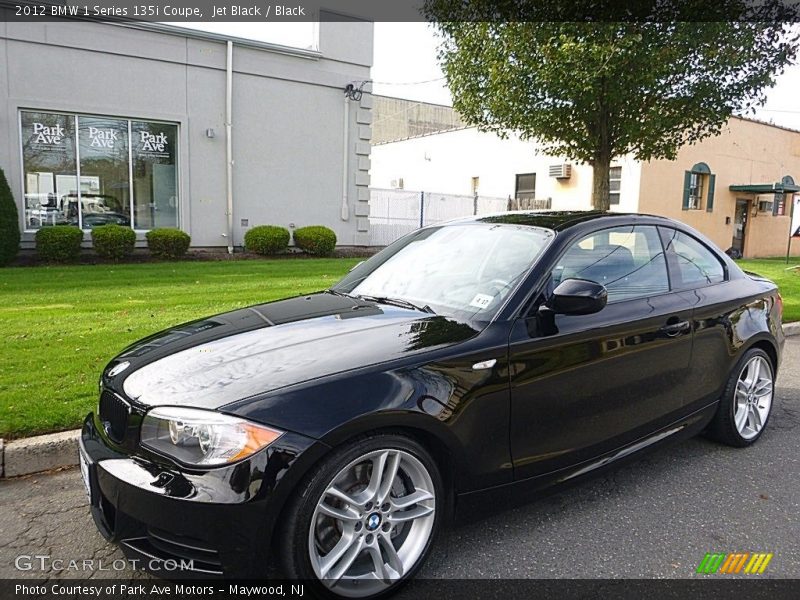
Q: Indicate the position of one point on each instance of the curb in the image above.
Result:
(54, 450)
(40, 453)
(791, 329)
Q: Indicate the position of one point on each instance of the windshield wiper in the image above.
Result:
(398, 302)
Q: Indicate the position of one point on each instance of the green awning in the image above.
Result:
(766, 188)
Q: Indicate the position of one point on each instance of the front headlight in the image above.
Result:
(203, 437)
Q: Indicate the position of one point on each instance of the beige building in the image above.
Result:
(738, 187)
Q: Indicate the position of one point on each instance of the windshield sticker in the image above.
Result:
(481, 301)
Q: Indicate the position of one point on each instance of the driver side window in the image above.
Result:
(629, 261)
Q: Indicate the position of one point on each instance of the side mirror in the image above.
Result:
(578, 297)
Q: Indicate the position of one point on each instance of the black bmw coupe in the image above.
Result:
(507, 354)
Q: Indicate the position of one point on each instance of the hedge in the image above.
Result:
(59, 243)
(113, 241)
(267, 239)
(168, 242)
(9, 223)
(315, 239)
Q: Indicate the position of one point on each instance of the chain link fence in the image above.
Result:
(394, 213)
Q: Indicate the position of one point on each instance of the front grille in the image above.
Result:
(114, 413)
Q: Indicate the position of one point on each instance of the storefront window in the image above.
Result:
(155, 178)
(105, 187)
(49, 165)
(127, 170)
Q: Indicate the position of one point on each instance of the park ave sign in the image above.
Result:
(98, 137)
(153, 142)
(102, 138)
(43, 134)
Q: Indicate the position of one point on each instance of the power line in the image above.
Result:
(406, 82)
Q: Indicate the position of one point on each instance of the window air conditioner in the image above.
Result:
(563, 171)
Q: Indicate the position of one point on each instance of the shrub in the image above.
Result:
(9, 223)
(315, 239)
(267, 239)
(168, 242)
(113, 241)
(59, 243)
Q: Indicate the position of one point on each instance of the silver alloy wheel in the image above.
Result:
(753, 397)
(372, 523)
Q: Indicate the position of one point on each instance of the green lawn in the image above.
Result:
(60, 325)
(788, 281)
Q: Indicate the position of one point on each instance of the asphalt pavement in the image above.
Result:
(655, 518)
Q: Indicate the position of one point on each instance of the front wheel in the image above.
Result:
(364, 521)
(746, 404)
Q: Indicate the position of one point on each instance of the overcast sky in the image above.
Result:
(405, 55)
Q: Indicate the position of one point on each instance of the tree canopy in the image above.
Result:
(593, 91)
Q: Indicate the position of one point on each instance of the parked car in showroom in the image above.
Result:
(503, 354)
(97, 209)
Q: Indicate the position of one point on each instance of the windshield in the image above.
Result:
(464, 271)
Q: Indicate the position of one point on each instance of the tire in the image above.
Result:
(338, 541)
(741, 393)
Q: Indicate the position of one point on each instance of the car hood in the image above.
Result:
(233, 356)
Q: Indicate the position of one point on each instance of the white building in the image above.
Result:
(737, 187)
(467, 161)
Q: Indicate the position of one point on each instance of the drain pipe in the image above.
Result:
(345, 150)
(229, 141)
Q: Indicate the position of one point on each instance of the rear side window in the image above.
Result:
(628, 261)
(696, 265)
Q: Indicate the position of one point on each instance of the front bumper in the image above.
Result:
(204, 523)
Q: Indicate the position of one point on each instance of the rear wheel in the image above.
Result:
(746, 404)
(363, 522)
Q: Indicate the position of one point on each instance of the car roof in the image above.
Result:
(560, 220)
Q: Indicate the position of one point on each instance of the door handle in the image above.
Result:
(675, 329)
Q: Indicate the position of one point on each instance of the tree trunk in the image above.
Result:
(600, 190)
(602, 158)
